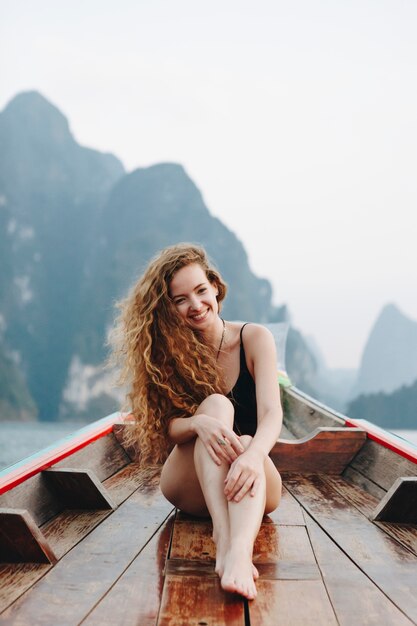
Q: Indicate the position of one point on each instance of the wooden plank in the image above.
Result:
(327, 450)
(16, 578)
(21, 541)
(35, 496)
(381, 465)
(302, 414)
(273, 543)
(104, 457)
(364, 502)
(399, 503)
(392, 568)
(199, 600)
(281, 570)
(78, 489)
(77, 583)
(289, 512)
(136, 596)
(356, 478)
(291, 603)
(354, 597)
(63, 532)
(122, 484)
(68, 528)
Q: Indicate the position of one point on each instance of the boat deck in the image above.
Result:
(321, 561)
(85, 538)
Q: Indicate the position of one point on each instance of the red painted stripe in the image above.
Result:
(385, 438)
(16, 474)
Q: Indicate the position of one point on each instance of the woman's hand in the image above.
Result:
(220, 441)
(244, 475)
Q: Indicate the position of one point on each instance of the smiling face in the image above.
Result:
(194, 296)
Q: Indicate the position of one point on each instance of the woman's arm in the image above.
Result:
(210, 430)
(262, 363)
(261, 354)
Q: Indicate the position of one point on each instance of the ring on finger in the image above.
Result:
(221, 442)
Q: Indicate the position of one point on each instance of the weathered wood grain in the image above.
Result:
(284, 543)
(354, 597)
(127, 480)
(78, 489)
(200, 601)
(104, 457)
(77, 583)
(21, 541)
(34, 496)
(326, 450)
(291, 603)
(392, 568)
(279, 570)
(16, 578)
(381, 465)
(288, 513)
(303, 414)
(364, 502)
(356, 478)
(68, 528)
(63, 532)
(136, 596)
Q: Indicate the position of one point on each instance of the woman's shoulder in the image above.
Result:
(257, 338)
(257, 331)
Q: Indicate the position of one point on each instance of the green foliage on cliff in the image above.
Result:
(16, 402)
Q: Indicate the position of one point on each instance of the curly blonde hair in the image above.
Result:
(168, 368)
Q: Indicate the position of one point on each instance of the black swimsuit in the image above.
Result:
(243, 397)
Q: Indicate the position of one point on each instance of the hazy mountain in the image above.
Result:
(395, 410)
(51, 190)
(75, 231)
(389, 359)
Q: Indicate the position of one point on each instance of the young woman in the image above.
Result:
(205, 396)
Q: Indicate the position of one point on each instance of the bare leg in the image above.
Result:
(195, 484)
(245, 518)
(211, 478)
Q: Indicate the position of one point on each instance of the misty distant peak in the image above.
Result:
(389, 359)
(36, 116)
(391, 312)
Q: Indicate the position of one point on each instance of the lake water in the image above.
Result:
(18, 440)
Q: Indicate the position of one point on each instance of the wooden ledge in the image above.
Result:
(400, 503)
(21, 541)
(327, 450)
(79, 489)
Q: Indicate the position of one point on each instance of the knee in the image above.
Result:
(245, 440)
(218, 406)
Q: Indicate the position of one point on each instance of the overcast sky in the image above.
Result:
(297, 120)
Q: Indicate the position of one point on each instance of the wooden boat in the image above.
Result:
(84, 540)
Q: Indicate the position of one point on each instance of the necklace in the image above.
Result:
(221, 340)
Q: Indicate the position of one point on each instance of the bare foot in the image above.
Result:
(238, 576)
(221, 551)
